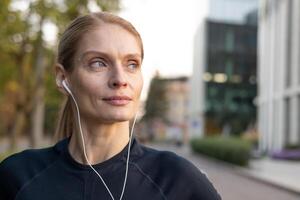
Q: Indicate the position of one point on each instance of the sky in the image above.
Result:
(167, 28)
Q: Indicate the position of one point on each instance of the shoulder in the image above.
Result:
(28, 159)
(19, 168)
(169, 160)
(171, 169)
(33, 159)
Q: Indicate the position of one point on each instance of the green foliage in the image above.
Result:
(108, 5)
(22, 46)
(292, 146)
(5, 155)
(156, 104)
(232, 150)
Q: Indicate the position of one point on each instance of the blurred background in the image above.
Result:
(222, 85)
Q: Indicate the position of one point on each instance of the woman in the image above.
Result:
(99, 69)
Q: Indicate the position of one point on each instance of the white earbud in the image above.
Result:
(66, 87)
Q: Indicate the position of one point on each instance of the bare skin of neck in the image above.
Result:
(102, 141)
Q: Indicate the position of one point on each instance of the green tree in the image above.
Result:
(156, 103)
(27, 60)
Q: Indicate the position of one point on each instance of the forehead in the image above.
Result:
(110, 39)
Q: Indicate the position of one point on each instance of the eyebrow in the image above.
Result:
(134, 55)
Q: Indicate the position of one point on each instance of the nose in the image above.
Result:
(118, 79)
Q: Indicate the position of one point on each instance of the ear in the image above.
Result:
(61, 75)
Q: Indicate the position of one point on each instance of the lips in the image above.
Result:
(117, 100)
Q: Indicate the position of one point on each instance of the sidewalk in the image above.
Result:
(282, 174)
(279, 173)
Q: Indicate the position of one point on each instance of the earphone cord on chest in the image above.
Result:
(87, 160)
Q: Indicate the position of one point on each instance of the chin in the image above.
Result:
(121, 118)
(117, 117)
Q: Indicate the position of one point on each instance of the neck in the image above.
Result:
(102, 141)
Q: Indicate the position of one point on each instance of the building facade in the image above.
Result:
(167, 108)
(228, 78)
(224, 83)
(279, 74)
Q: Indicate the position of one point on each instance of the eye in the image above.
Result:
(133, 65)
(97, 64)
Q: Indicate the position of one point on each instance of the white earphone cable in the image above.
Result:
(84, 149)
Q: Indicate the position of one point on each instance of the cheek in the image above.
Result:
(88, 85)
(139, 85)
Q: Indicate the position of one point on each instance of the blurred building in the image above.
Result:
(177, 98)
(223, 85)
(279, 74)
(177, 90)
(168, 117)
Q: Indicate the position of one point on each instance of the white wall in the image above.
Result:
(197, 92)
(278, 72)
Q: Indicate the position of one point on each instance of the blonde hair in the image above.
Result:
(67, 47)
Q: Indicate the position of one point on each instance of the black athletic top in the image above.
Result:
(52, 174)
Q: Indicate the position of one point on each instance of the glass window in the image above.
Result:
(229, 41)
